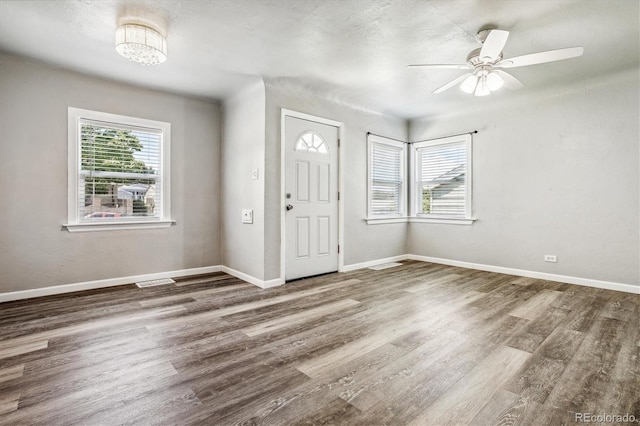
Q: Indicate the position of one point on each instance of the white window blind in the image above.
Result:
(120, 171)
(387, 165)
(119, 168)
(443, 179)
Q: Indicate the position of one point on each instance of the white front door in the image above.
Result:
(311, 198)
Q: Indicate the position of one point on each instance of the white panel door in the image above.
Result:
(311, 188)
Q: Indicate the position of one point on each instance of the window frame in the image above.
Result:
(74, 224)
(400, 216)
(415, 189)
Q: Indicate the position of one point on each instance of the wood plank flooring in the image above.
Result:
(417, 344)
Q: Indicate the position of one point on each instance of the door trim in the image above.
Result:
(301, 115)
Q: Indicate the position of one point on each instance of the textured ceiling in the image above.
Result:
(355, 51)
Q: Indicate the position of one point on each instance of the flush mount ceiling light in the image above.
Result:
(141, 43)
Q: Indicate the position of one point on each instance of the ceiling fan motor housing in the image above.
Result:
(473, 59)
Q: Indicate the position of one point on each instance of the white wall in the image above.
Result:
(362, 242)
(243, 150)
(35, 251)
(554, 173)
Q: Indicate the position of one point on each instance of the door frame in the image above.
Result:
(284, 113)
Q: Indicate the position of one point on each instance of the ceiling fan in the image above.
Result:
(486, 64)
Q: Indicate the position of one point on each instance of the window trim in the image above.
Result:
(75, 116)
(468, 218)
(387, 218)
(447, 221)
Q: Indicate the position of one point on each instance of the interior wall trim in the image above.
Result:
(111, 282)
(371, 263)
(251, 279)
(607, 285)
(91, 285)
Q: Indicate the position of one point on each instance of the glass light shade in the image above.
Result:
(469, 84)
(494, 81)
(482, 89)
(141, 44)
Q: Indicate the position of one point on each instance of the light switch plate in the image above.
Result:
(247, 216)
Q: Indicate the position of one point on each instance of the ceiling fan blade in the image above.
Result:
(510, 82)
(442, 66)
(541, 57)
(452, 83)
(493, 45)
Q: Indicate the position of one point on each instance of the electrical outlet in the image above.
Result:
(254, 174)
(550, 258)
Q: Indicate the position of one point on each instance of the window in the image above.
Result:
(387, 176)
(442, 178)
(118, 172)
(312, 142)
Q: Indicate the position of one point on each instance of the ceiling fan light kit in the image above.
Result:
(494, 81)
(469, 84)
(482, 82)
(482, 89)
(485, 64)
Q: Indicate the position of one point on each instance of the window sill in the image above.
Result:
(448, 221)
(117, 226)
(385, 220)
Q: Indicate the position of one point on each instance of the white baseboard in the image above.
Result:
(272, 283)
(353, 267)
(251, 279)
(607, 285)
(90, 285)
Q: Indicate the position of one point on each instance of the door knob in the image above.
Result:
(289, 207)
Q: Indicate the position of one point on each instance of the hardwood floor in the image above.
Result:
(418, 344)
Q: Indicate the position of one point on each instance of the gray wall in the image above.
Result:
(362, 242)
(243, 151)
(554, 173)
(34, 250)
